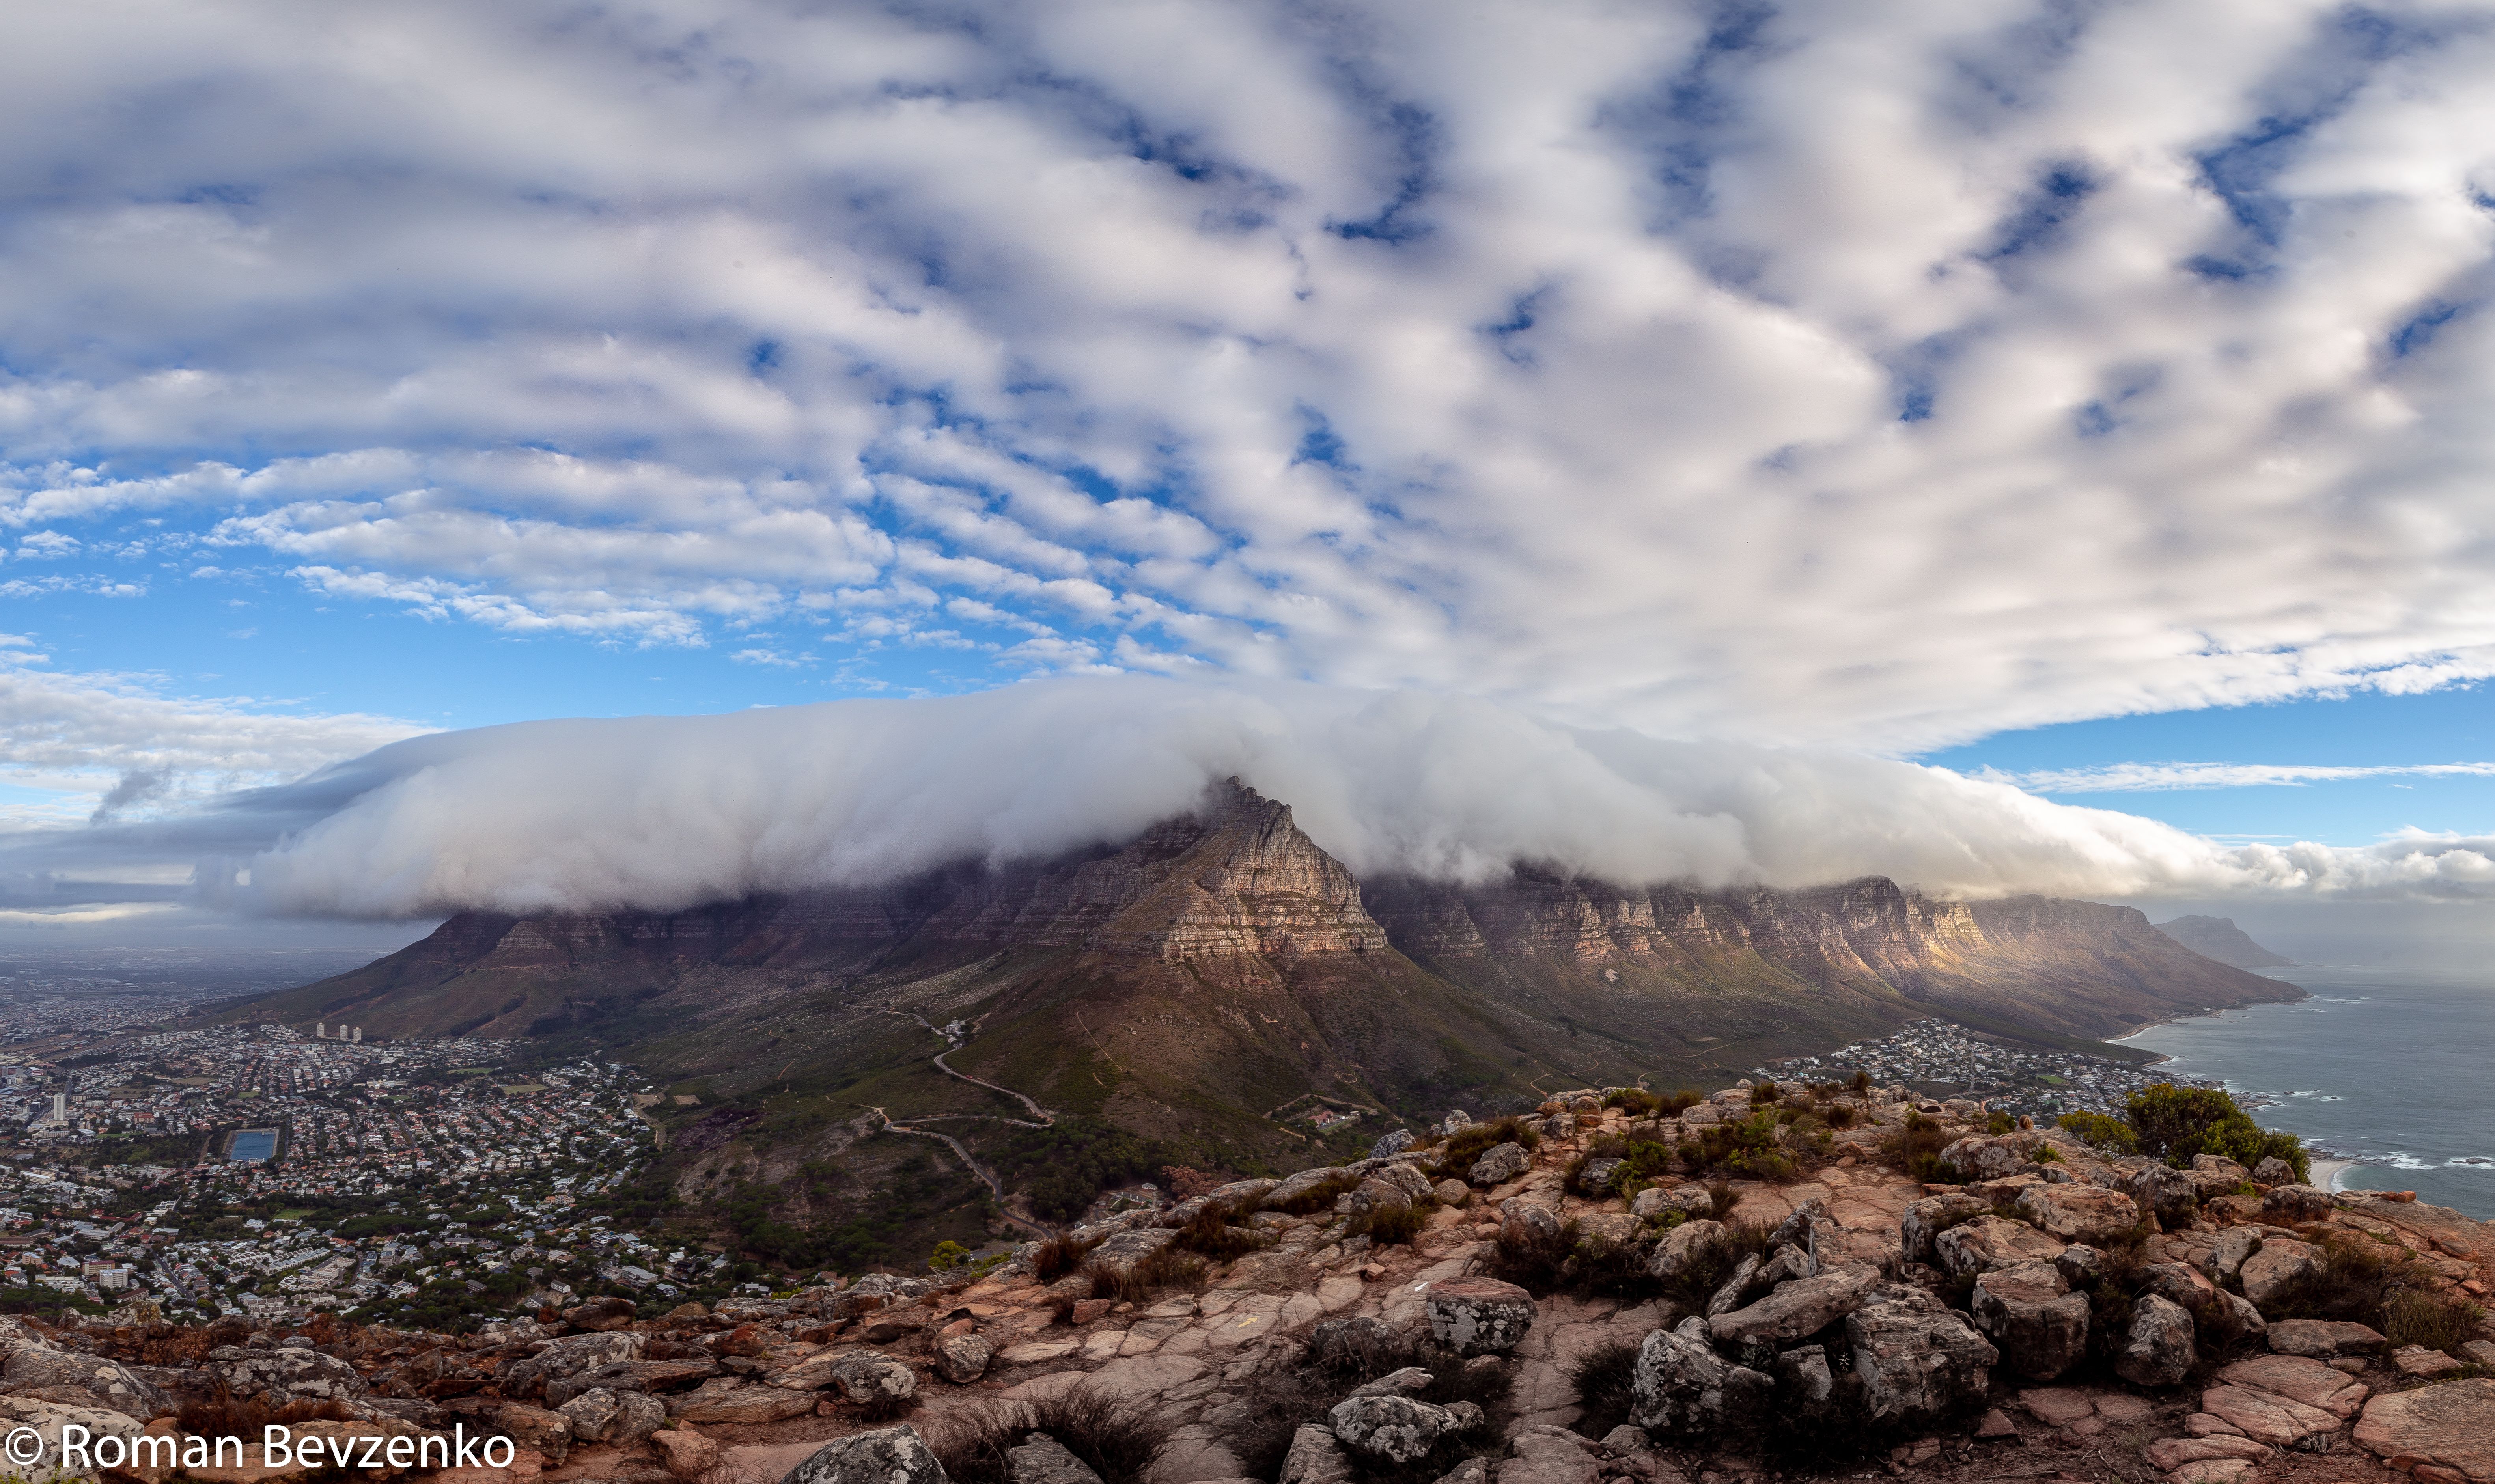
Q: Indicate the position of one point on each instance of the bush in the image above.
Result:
(1058, 1256)
(2109, 1134)
(1916, 1146)
(1603, 1377)
(1999, 1124)
(1839, 1114)
(1714, 1261)
(1391, 1225)
(1166, 1267)
(1763, 1095)
(1747, 1149)
(1117, 1439)
(2354, 1281)
(1455, 1156)
(2439, 1321)
(1319, 1197)
(1636, 1099)
(2175, 1122)
(1208, 1235)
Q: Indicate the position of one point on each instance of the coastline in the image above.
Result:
(2211, 1010)
(2327, 1173)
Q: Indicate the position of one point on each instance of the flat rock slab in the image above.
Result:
(2450, 1426)
(2324, 1339)
(2265, 1416)
(2057, 1406)
(2300, 1379)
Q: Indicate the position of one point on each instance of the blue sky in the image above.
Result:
(2079, 399)
(2453, 726)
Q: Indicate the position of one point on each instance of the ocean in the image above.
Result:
(2391, 1068)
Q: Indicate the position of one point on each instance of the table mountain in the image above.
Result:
(1220, 970)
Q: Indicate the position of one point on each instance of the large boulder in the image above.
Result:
(656, 1375)
(1499, 1164)
(1397, 1184)
(1122, 1253)
(1393, 1143)
(2028, 1311)
(2224, 1262)
(21, 1415)
(1989, 1242)
(2079, 1212)
(1316, 1457)
(962, 1358)
(1979, 1157)
(1478, 1316)
(1917, 1362)
(867, 1376)
(1797, 1308)
(2450, 1426)
(726, 1399)
(2274, 1170)
(2155, 1186)
(1293, 1187)
(2158, 1349)
(1933, 1215)
(571, 1356)
(893, 1455)
(1690, 1200)
(1682, 1386)
(115, 1386)
(1683, 1249)
(624, 1418)
(1739, 1289)
(2281, 1263)
(1397, 1429)
(2295, 1205)
(535, 1426)
(295, 1373)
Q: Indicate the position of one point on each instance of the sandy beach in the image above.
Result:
(2326, 1172)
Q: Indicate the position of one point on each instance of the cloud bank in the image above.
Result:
(1862, 372)
(671, 811)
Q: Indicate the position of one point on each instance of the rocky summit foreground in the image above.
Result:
(1480, 1307)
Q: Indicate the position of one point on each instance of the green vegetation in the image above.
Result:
(2175, 1122)
(1063, 1168)
(2109, 1134)
(1916, 1146)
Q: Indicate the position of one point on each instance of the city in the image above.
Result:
(277, 1170)
(1936, 1055)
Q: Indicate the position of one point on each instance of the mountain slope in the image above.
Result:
(2219, 938)
(1220, 969)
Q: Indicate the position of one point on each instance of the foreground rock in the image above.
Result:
(2449, 1428)
(1918, 1361)
(893, 1455)
(2030, 1313)
(1479, 1315)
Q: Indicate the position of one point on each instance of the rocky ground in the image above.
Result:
(2059, 1316)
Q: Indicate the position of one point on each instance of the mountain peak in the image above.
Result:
(2220, 938)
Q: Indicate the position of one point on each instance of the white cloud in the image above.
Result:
(564, 814)
(2159, 777)
(1875, 374)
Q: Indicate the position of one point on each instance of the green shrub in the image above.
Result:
(2111, 1135)
(2175, 1122)
(1999, 1124)
(1747, 1149)
(1763, 1095)
(1636, 1099)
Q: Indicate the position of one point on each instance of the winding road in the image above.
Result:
(995, 1185)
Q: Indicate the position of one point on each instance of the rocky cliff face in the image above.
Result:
(1224, 947)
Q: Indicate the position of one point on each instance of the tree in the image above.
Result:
(2175, 1122)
